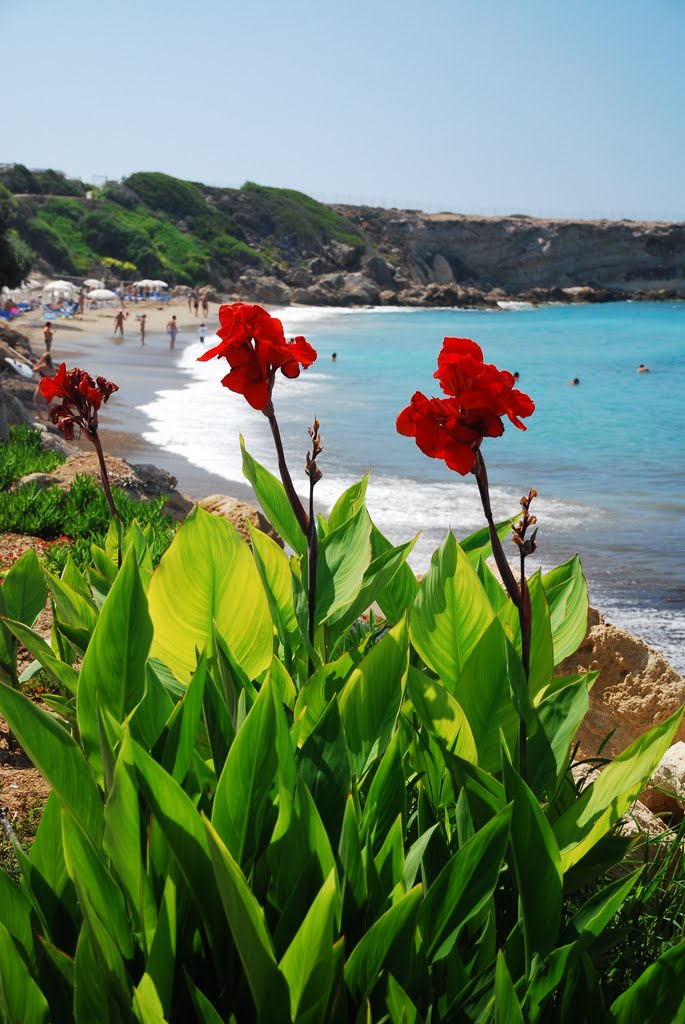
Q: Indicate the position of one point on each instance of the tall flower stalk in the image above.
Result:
(453, 429)
(254, 345)
(80, 400)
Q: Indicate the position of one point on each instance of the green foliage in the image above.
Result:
(247, 826)
(24, 454)
(79, 515)
(294, 220)
(16, 256)
(158, 225)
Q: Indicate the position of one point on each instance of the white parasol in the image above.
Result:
(92, 282)
(101, 293)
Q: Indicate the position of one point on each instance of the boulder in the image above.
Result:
(344, 256)
(636, 689)
(442, 271)
(240, 514)
(266, 289)
(141, 481)
(379, 271)
(669, 776)
(339, 289)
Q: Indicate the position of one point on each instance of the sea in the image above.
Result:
(606, 456)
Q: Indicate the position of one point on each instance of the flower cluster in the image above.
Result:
(255, 347)
(81, 397)
(480, 395)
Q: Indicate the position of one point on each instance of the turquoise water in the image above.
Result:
(606, 456)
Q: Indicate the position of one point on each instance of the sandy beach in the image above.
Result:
(140, 371)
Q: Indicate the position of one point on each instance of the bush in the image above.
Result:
(24, 454)
(173, 196)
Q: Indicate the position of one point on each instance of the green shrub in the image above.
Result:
(24, 454)
(173, 196)
(296, 220)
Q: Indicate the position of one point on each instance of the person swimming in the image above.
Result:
(642, 368)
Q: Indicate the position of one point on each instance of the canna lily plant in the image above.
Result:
(267, 809)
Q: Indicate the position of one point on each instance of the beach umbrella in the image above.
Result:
(158, 284)
(92, 282)
(145, 283)
(59, 288)
(101, 293)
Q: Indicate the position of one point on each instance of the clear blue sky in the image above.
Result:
(486, 106)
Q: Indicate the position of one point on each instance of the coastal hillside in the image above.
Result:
(279, 245)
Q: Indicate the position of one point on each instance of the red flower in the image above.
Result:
(453, 428)
(81, 398)
(254, 345)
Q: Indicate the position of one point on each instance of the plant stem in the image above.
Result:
(93, 434)
(295, 503)
(518, 594)
(503, 566)
(312, 562)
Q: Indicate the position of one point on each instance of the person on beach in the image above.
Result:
(190, 301)
(81, 301)
(205, 306)
(48, 335)
(196, 302)
(44, 368)
(142, 329)
(642, 368)
(119, 322)
(172, 331)
(202, 333)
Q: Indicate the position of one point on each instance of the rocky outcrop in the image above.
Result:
(240, 514)
(636, 689)
(667, 792)
(141, 481)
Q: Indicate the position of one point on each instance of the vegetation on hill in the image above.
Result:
(15, 254)
(183, 231)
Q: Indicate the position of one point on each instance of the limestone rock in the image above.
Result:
(670, 776)
(379, 271)
(240, 514)
(141, 481)
(640, 821)
(636, 689)
(266, 289)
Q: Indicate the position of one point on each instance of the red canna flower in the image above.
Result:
(255, 347)
(479, 395)
(81, 398)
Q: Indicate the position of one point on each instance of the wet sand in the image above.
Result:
(140, 371)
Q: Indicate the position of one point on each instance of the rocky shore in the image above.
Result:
(417, 259)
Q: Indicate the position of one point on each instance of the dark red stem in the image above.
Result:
(293, 498)
(93, 435)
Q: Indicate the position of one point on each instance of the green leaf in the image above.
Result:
(507, 1006)
(441, 714)
(658, 995)
(558, 717)
(250, 933)
(63, 674)
(478, 546)
(537, 864)
(242, 794)
(122, 840)
(16, 916)
(398, 595)
(273, 499)
(348, 504)
(376, 578)
(220, 585)
(274, 570)
(344, 556)
(371, 698)
(24, 590)
(323, 764)
(76, 615)
(146, 1003)
(610, 796)
(600, 909)
(180, 824)
(182, 726)
(395, 928)
(400, 1006)
(56, 756)
(463, 887)
(307, 965)
(21, 1000)
(95, 886)
(386, 799)
(316, 694)
(484, 694)
(450, 614)
(566, 591)
(113, 671)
